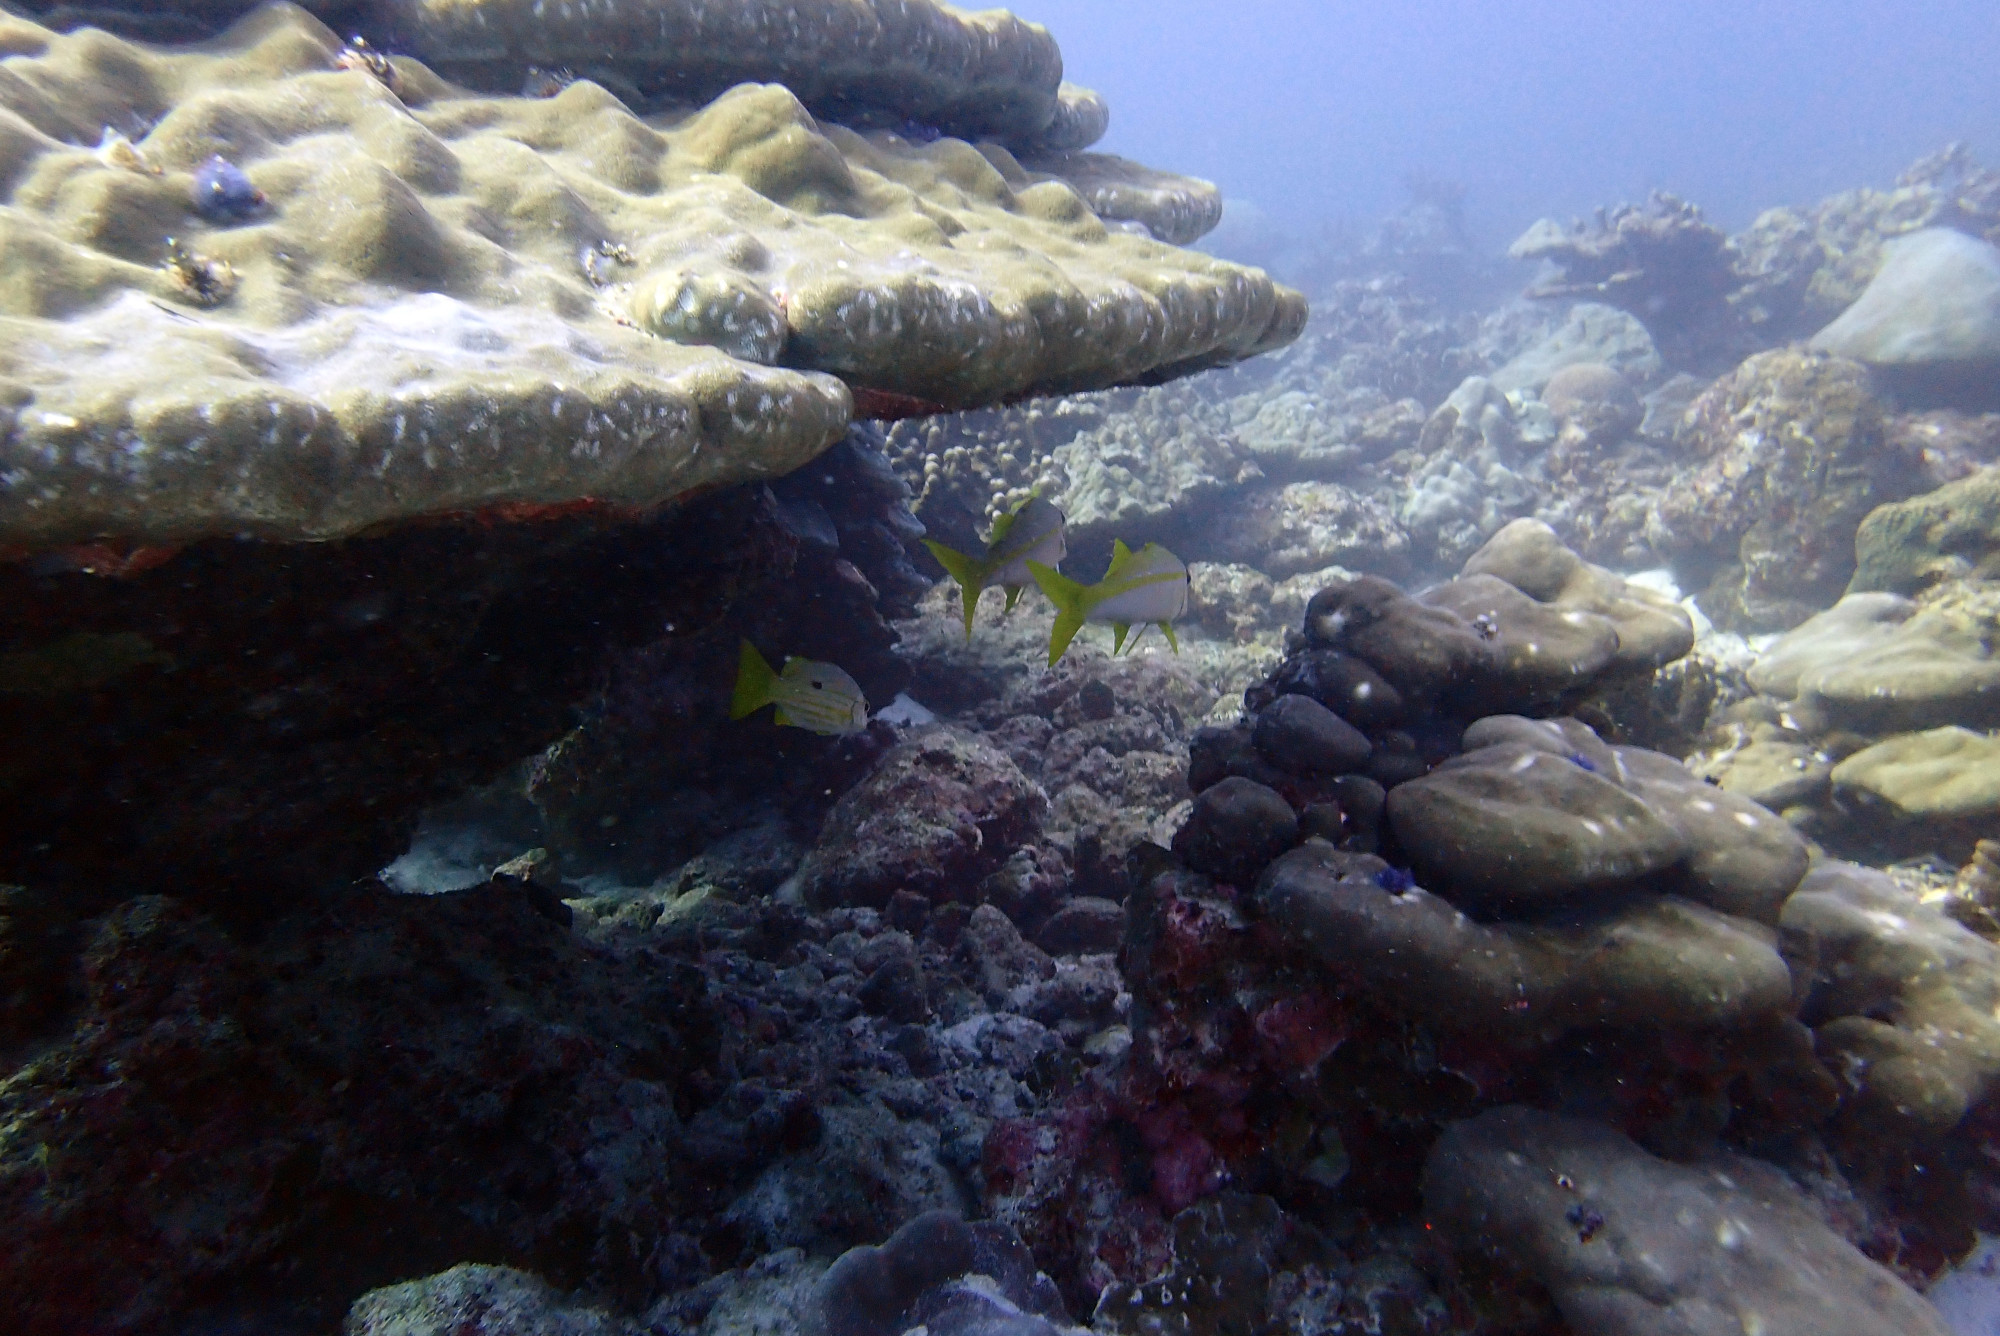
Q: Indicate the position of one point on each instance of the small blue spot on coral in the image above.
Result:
(223, 194)
(1579, 759)
(919, 133)
(1395, 880)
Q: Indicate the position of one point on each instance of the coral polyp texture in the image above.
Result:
(448, 301)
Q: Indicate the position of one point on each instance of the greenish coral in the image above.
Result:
(1951, 533)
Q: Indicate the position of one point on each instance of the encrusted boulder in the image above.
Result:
(939, 812)
(1633, 1245)
(1952, 533)
(1661, 261)
(1789, 459)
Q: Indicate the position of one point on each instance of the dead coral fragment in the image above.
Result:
(115, 150)
(358, 55)
(201, 279)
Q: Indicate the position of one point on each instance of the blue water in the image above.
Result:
(1315, 110)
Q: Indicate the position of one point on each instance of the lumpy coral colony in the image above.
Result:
(419, 437)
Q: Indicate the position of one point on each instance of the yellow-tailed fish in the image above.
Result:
(809, 694)
(1144, 588)
(1030, 532)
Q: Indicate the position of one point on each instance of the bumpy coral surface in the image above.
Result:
(448, 302)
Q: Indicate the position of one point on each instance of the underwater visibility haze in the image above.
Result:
(1471, 808)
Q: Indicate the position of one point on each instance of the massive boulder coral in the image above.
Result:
(977, 75)
(1930, 319)
(434, 301)
(1903, 1003)
(1633, 1245)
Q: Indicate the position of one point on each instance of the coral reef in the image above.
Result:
(1661, 261)
(453, 302)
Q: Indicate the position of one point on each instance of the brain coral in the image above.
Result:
(453, 301)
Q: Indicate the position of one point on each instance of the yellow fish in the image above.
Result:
(815, 696)
(1031, 531)
(1148, 587)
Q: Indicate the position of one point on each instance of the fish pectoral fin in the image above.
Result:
(778, 716)
(1013, 597)
(1167, 630)
(1119, 630)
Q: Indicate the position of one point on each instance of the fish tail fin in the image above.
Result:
(1067, 595)
(755, 683)
(967, 572)
(1167, 629)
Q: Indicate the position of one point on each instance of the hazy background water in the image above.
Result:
(1316, 110)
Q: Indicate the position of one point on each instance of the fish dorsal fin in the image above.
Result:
(1004, 526)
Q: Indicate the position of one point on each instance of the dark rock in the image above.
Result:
(941, 811)
(1086, 925)
(1344, 684)
(1361, 801)
(908, 910)
(1235, 828)
(996, 956)
(1396, 760)
(1428, 652)
(1300, 735)
(1218, 751)
(895, 991)
(1096, 700)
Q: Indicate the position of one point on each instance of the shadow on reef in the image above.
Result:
(251, 721)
